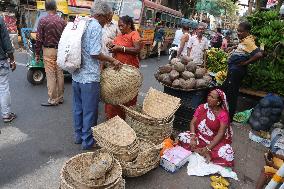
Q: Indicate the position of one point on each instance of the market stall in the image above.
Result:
(8, 11)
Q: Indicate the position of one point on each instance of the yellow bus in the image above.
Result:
(145, 14)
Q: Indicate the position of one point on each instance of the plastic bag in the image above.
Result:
(69, 47)
(242, 117)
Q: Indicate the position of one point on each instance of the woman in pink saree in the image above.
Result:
(210, 132)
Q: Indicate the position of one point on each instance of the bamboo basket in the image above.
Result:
(74, 173)
(119, 87)
(117, 137)
(148, 158)
(155, 132)
(160, 105)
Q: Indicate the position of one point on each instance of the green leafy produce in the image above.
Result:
(217, 60)
(267, 74)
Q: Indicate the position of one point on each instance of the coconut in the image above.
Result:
(200, 72)
(187, 75)
(179, 67)
(189, 84)
(174, 61)
(165, 69)
(161, 77)
(191, 67)
(207, 78)
(185, 59)
(176, 83)
(167, 80)
(200, 83)
(174, 75)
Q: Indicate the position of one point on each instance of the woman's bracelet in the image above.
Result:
(208, 149)
(190, 134)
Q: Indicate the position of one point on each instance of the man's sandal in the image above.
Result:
(10, 118)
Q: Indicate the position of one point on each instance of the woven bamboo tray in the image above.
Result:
(116, 132)
(126, 155)
(148, 158)
(117, 137)
(160, 105)
(119, 87)
(155, 132)
(73, 174)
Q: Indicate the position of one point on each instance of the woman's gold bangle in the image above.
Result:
(208, 149)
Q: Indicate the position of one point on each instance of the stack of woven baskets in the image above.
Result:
(154, 119)
(136, 156)
(92, 170)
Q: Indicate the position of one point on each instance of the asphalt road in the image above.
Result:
(34, 147)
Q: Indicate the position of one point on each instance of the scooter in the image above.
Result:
(173, 52)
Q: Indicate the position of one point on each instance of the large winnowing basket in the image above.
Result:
(159, 105)
(120, 86)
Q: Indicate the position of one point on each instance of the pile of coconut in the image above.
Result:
(183, 73)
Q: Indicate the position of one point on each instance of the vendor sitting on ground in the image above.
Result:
(210, 133)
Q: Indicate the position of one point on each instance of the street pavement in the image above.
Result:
(35, 146)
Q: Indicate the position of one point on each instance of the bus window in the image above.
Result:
(168, 18)
(158, 16)
(164, 17)
(131, 8)
(114, 4)
(149, 14)
(147, 18)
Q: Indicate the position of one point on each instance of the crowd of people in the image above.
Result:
(106, 42)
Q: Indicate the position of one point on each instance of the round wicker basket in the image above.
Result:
(148, 158)
(155, 132)
(74, 173)
(119, 87)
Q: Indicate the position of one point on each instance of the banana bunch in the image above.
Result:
(220, 77)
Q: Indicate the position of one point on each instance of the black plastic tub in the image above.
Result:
(190, 100)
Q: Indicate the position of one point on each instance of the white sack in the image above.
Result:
(69, 47)
(197, 166)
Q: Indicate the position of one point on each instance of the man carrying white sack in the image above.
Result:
(86, 80)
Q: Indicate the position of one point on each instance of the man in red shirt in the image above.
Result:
(49, 32)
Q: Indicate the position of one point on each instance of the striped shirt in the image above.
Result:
(110, 31)
(49, 31)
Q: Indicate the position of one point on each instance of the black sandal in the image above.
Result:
(11, 117)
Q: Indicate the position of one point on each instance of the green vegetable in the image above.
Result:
(267, 74)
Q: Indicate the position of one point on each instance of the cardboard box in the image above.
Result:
(174, 158)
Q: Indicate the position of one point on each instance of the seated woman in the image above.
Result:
(125, 48)
(210, 133)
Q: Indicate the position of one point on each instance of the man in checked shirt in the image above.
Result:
(49, 32)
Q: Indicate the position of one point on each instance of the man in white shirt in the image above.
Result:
(110, 31)
(177, 38)
(179, 33)
(197, 45)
